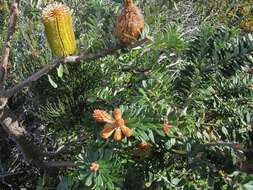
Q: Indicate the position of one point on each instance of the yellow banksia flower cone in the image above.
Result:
(114, 124)
(59, 31)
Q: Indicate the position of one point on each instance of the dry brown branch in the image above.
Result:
(6, 47)
(34, 77)
(70, 59)
(31, 151)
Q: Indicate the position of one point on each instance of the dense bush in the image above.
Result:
(187, 96)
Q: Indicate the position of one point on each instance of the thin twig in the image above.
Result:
(58, 151)
(174, 64)
(6, 47)
(70, 59)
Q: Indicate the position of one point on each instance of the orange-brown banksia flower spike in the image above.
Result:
(102, 116)
(130, 23)
(59, 29)
(114, 124)
(144, 150)
(94, 167)
(166, 126)
(144, 146)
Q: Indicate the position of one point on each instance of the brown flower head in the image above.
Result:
(94, 167)
(113, 124)
(130, 23)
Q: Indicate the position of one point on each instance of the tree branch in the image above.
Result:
(6, 47)
(34, 77)
(70, 59)
(61, 164)
(32, 152)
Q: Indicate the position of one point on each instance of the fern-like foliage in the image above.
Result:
(213, 53)
(221, 50)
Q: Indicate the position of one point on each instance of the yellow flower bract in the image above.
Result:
(59, 29)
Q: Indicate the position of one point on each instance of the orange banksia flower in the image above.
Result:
(130, 23)
(117, 113)
(107, 131)
(94, 167)
(126, 131)
(59, 29)
(118, 134)
(102, 116)
(166, 126)
(114, 124)
(145, 146)
(250, 86)
(144, 150)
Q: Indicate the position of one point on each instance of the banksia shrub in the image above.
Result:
(129, 23)
(59, 29)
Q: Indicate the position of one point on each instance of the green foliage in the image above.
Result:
(170, 39)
